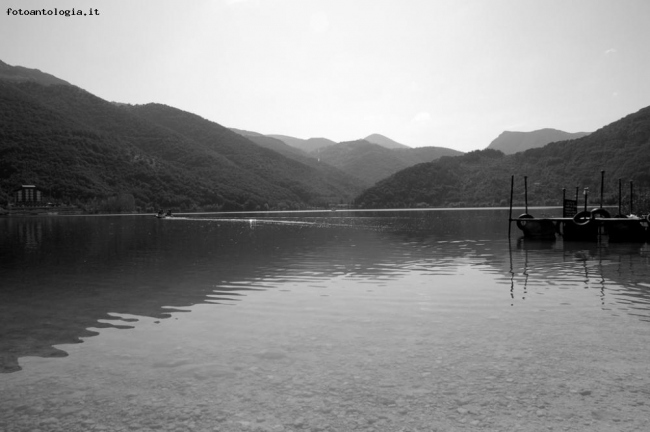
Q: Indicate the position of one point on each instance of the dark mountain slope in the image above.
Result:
(369, 162)
(372, 162)
(622, 149)
(413, 156)
(270, 166)
(21, 74)
(363, 162)
(40, 145)
(76, 146)
(514, 142)
(306, 145)
(72, 157)
(445, 182)
(270, 143)
(350, 182)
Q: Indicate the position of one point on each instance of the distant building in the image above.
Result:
(28, 195)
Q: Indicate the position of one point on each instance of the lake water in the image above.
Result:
(333, 321)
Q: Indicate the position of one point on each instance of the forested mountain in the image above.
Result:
(79, 148)
(372, 162)
(413, 156)
(514, 142)
(22, 74)
(363, 161)
(271, 143)
(353, 182)
(385, 142)
(482, 178)
(306, 145)
(369, 162)
(312, 144)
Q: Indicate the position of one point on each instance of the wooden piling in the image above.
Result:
(620, 197)
(526, 193)
(512, 188)
(602, 187)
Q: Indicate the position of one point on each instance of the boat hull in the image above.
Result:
(538, 228)
(615, 229)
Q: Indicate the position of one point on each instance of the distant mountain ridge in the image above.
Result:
(372, 162)
(482, 178)
(305, 145)
(513, 142)
(271, 143)
(311, 144)
(369, 160)
(384, 141)
(311, 159)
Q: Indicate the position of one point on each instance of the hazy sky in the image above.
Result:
(450, 73)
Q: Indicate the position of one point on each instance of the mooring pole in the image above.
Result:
(631, 197)
(586, 197)
(526, 193)
(619, 197)
(577, 189)
(563, 200)
(602, 187)
(512, 188)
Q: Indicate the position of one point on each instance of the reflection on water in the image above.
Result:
(325, 321)
(619, 271)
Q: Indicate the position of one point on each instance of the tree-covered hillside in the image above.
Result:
(81, 149)
(367, 161)
(351, 182)
(372, 162)
(482, 178)
(305, 178)
(305, 145)
(384, 141)
(413, 156)
(22, 74)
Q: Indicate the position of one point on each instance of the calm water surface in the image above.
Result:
(337, 321)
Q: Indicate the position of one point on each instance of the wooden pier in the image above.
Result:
(585, 225)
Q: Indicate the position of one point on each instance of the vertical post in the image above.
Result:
(577, 189)
(602, 186)
(563, 200)
(631, 197)
(619, 197)
(586, 192)
(512, 188)
(526, 193)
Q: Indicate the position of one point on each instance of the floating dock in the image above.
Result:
(585, 225)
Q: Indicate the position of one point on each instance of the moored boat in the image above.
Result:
(162, 215)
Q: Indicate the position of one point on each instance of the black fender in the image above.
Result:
(583, 218)
(600, 212)
(521, 224)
